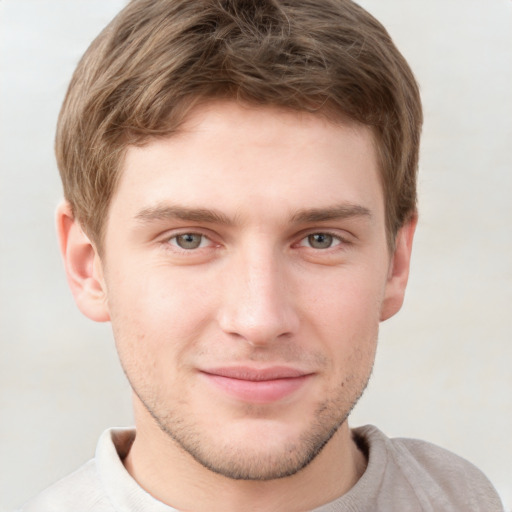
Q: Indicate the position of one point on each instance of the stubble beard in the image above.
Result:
(241, 463)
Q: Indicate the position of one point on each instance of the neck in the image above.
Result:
(172, 476)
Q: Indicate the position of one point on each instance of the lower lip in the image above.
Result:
(260, 392)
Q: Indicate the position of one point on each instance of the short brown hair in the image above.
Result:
(158, 58)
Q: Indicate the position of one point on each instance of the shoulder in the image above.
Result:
(93, 486)
(101, 485)
(432, 474)
(81, 490)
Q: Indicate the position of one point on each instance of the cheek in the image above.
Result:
(158, 314)
(155, 319)
(346, 317)
(157, 297)
(349, 301)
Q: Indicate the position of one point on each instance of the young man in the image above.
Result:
(240, 183)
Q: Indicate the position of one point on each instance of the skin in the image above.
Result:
(252, 243)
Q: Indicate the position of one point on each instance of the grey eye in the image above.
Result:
(320, 240)
(189, 240)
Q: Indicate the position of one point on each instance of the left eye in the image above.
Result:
(320, 241)
(189, 241)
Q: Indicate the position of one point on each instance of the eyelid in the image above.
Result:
(343, 238)
(166, 238)
(203, 240)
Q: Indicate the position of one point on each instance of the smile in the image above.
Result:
(257, 385)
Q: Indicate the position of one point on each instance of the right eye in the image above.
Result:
(189, 241)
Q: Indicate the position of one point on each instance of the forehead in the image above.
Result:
(234, 157)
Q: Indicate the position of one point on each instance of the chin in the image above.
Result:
(257, 449)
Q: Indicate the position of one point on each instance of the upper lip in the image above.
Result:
(257, 374)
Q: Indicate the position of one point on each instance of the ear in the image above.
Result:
(83, 266)
(398, 270)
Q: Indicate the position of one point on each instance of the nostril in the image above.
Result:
(259, 327)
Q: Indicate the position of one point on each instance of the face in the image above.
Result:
(245, 272)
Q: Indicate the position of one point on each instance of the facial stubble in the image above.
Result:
(240, 463)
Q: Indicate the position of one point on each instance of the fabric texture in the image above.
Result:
(402, 475)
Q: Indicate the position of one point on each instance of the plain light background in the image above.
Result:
(443, 370)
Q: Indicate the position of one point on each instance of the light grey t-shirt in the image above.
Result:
(403, 475)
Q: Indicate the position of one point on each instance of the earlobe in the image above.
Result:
(398, 270)
(83, 266)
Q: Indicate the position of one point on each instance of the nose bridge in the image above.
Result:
(258, 300)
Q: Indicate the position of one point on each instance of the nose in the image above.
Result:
(257, 299)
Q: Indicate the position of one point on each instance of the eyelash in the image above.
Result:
(176, 247)
(335, 238)
(168, 241)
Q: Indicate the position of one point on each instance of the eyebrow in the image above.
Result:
(339, 212)
(168, 212)
(206, 215)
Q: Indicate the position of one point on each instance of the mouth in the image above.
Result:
(257, 385)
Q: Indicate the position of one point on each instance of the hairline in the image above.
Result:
(331, 114)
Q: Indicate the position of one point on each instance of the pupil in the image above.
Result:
(189, 241)
(320, 240)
